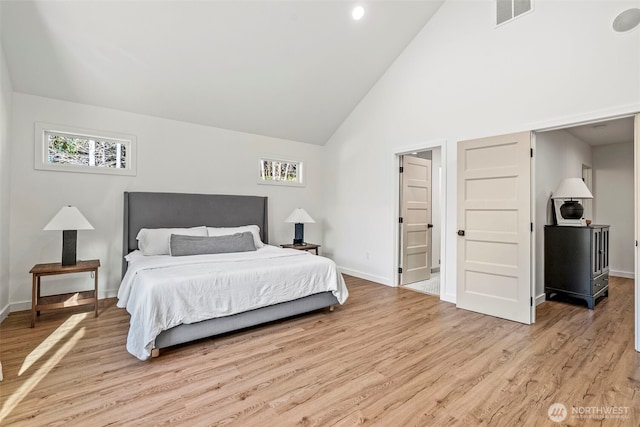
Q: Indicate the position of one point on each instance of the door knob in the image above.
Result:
(429, 225)
(460, 232)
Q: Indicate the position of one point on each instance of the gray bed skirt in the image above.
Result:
(190, 332)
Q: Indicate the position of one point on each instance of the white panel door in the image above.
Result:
(415, 208)
(494, 234)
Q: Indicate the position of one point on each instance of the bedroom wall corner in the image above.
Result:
(6, 94)
(172, 156)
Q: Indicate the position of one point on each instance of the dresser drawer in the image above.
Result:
(600, 282)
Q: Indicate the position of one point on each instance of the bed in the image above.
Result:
(282, 282)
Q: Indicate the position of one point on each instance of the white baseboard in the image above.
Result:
(108, 293)
(448, 298)
(5, 312)
(20, 306)
(366, 276)
(541, 298)
(625, 274)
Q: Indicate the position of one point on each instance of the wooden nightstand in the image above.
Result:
(72, 299)
(305, 247)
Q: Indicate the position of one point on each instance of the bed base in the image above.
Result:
(189, 332)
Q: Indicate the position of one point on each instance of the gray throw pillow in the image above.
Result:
(199, 245)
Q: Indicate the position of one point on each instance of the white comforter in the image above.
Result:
(162, 291)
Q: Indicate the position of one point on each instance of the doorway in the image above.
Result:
(587, 177)
(614, 175)
(420, 229)
(602, 154)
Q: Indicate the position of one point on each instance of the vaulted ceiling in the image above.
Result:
(286, 69)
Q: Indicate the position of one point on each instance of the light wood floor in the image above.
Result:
(388, 357)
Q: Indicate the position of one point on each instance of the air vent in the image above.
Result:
(506, 10)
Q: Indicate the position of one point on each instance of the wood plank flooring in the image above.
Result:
(388, 357)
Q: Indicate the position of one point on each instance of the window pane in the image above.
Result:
(85, 151)
(504, 11)
(521, 6)
(279, 171)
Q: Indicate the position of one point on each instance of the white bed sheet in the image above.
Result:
(162, 291)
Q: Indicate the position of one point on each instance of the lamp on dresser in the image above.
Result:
(567, 207)
(69, 220)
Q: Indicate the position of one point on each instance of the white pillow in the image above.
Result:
(155, 241)
(227, 231)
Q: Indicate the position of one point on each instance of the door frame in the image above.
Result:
(587, 177)
(408, 149)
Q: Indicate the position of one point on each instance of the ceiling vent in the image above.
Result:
(507, 10)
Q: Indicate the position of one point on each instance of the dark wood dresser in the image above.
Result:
(576, 262)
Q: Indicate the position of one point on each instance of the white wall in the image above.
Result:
(558, 155)
(614, 203)
(5, 177)
(463, 78)
(172, 156)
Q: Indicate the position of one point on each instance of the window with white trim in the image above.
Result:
(508, 10)
(281, 172)
(64, 148)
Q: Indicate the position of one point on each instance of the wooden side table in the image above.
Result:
(72, 299)
(305, 247)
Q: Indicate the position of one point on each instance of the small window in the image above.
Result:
(63, 148)
(281, 172)
(507, 10)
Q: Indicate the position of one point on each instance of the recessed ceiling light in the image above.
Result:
(357, 13)
(627, 20)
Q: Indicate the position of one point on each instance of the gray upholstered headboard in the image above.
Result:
(169, 210)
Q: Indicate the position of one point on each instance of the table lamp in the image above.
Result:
(572, 188)
(299, 217)
(69, 220)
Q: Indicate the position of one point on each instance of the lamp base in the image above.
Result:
(69, 241)
(559, 219)
(298, 239)
(571, 209)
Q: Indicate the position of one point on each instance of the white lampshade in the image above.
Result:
(69, 218)
(572, 188)
(299, 216)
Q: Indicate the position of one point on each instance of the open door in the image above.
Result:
(494, 226)
(415, 208)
